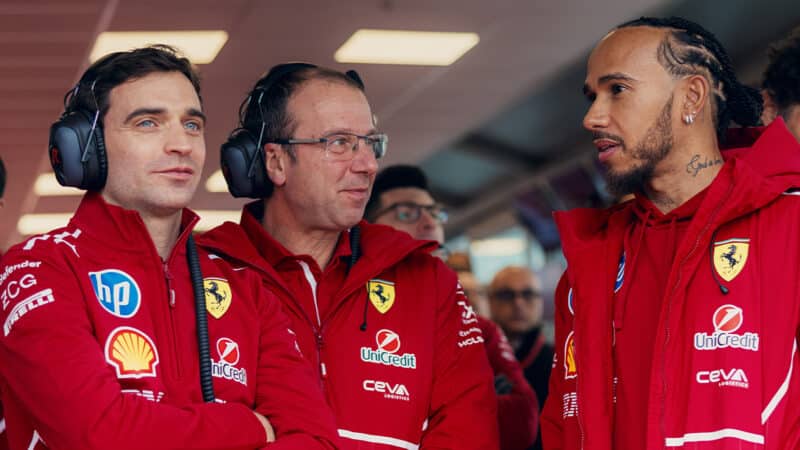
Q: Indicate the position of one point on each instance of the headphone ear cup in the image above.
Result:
(99, 173)
(243, 166)
(70, 137)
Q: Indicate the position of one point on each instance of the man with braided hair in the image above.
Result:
(677, 317)
(781, 85)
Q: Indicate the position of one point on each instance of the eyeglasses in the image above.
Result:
(410, 212)
(343, 146)
(508, 295)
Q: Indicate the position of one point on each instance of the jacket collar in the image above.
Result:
(120, 229)
(380, 246)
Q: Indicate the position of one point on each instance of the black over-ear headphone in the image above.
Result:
(242, 155)
(77, 149)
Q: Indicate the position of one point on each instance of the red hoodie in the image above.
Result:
(394, 341)
(99, 346)
(725, 373)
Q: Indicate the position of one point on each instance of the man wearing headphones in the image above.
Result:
(117, 332)
(391, 335)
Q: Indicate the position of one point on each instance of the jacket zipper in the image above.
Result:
(669, 310)
(171, 309)
(312, 282)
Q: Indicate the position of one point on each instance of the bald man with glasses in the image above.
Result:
(516, 304)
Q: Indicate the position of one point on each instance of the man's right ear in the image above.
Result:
(275, 159)
(770, 108)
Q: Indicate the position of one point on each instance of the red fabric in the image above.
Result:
(450, 402)
(68, 381)
(649, 248)
(691, 403)
(518, 411)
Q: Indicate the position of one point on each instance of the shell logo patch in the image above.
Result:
(381, 294)
(730, 256)
(570, 368)
(131, 352)
(218, 296)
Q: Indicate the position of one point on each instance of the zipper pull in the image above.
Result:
(323, 369)
(168, 278)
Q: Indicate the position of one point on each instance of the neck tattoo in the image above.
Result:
(696, 165)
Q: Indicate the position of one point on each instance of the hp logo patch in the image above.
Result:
(117, 292)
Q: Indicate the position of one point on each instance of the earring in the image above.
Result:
(688, 119)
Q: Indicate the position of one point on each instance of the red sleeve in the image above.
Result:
(518, 411)
(463, 412)
(54, 371)
(552, 420)
(288, 394)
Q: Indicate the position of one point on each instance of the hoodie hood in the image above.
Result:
(761, 164)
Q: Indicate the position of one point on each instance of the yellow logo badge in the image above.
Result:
(218, 296)
(730, 257)
(132, 353)
(381, 294)
(570, 368)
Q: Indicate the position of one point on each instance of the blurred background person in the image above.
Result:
(781, 84)
(516, 304)
(473, 289)
(401, 199)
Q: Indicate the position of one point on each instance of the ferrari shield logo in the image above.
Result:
(218, 296)
(730, 257)
(381, 294)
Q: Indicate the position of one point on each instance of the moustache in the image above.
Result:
(609, 136)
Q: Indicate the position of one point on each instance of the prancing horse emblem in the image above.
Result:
(381, 294)
(218, 296)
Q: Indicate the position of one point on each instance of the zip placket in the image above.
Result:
(171, 309)
(312, 282)
(669, 309)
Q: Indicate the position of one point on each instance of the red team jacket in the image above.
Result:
(725, 373)
(417, 376)
(518, 410)
(99, 346)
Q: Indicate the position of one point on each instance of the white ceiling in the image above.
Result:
(524, 45)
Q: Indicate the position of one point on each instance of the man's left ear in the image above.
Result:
(770, 111)
(695, 98)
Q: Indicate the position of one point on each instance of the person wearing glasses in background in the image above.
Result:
(401, 199)
(516, 304)
(382, 321)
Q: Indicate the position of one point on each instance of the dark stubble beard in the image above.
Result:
(652, 149)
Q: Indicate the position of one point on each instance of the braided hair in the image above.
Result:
(690, 49)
